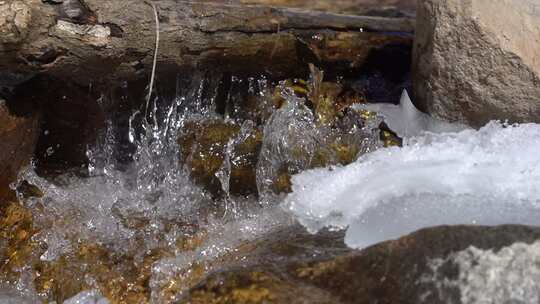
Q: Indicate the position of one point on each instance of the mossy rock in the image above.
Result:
(17, 248)
(334, 138)
(118, 278)
(204, 146)
(245, 155)
(299, 87)
(291, 243)
(389, 137)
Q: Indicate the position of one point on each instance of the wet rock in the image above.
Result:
(17, 249)
(256, 286)
(323, 97)
(389, 137)
(19, 135)
(471, 67)
(313, 127)
(70, 120)
(390, 272)
(120, 277)
(305, 124)
(221, 156)
(203, 147)
(92, 266)
(290, 243)
(123, 277)
(243, 157)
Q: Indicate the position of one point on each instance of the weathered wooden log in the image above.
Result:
(101, 41)
(386, 8)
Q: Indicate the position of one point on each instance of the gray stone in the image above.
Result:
(478, 60)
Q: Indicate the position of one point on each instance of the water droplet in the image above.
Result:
(49, 151)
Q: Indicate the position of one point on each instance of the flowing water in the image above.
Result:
(151, 202)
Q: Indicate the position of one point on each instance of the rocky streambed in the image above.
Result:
(278, 176)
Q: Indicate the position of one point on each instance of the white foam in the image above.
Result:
(488, 177)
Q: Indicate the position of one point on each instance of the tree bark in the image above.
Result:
(99, 41)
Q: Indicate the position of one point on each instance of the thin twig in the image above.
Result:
(156, 49)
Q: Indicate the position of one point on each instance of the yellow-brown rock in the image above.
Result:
(18, 139)
(389, 272)
(203, 145)
(245, 155)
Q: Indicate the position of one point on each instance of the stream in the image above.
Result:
(155, 209)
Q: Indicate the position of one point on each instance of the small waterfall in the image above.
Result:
(141, 192)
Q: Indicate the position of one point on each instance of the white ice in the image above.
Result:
(406, 120)
(486, 177)
(87, 297)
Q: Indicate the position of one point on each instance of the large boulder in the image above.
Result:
(18, 139)
(435, 265)
(478, 60)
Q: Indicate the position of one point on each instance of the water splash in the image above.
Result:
(294, 141)
(288, 136)
(137, 195)
(223, 238)
(117, 201)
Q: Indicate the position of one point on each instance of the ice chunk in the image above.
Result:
(87, 297)
(510, 275)
(406, 120)
(486, 177)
